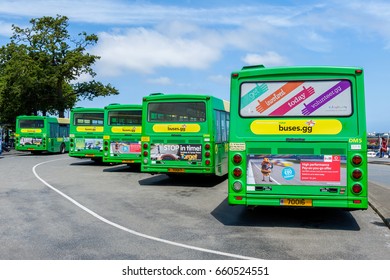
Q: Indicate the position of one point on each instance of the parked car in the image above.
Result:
(372, 154)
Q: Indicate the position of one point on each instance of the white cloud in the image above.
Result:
(5, 29)
(219, 79)
(164, 81)
(268, 59)
(143, 50)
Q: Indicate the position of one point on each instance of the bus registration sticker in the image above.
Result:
(237, 146)
(296, 202)
(180, 170)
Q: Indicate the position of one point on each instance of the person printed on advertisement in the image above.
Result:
(266, 169)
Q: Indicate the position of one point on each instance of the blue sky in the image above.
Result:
(193, 46)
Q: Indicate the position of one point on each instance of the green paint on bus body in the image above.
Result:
(184, 133)
(122, 134)
(302, 141)
(42, 134)
(86, 133)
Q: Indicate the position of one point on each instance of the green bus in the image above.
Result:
(184, 134)
(86, 133)
(42, 134)
(122, 134)
(298, 137)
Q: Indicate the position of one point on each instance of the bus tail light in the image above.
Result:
(207, 162)
(106, 143)
(357, 174)
(145, 145)
(357, 160)
(207, 154)
(145, 153)
(207, 146)
(237, 158)
(357, 188)
(106, 148)
(237, 172)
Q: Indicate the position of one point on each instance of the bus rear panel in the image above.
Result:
(298, 138)
(86, 133)
(122, 134)
(184, 134)
(42, 134)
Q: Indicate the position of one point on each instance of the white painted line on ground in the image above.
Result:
(97, 216)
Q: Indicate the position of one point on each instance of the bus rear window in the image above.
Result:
(31, 124)
(296, 98)
(81, 119)
(177, 112)
(125, 118)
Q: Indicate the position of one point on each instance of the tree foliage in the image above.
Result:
(40, 67)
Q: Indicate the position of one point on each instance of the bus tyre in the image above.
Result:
(62, 148)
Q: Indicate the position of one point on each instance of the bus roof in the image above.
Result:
(261, 70)
(223, 104)
(123, 106)
(63, 121)
(82, 109)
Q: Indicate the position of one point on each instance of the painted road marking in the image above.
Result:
(97, 216)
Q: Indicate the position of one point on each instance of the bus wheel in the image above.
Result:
(62, 148)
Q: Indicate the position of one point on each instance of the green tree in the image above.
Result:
(39, 69)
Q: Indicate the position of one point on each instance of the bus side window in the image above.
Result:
(227, 125)
(223, 127)
(218, 134)
(54, 128)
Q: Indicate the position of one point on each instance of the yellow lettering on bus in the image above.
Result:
(301, 127)
(176, 128)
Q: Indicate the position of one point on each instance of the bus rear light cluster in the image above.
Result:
(237, 159)
(237, 172)
(357, 160)
(357, 188)
(207, 154)
(357, 174)
(207, 146)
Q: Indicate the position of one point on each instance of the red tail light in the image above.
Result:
(207, 162)
(207, 154)
(357, 188)
(145, 153)
(237, 172)
(207, 146)
(237, 158)
(145, 145)
(357, 174)
(357, 160)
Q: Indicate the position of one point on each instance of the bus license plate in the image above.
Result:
(127, 161)
(89, 155)
(176, 170)
(296, 202)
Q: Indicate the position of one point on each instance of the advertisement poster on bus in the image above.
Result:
(30, 141)
(124, 147)
(297, 170)
(184, 152)
(296, 98)
(89, 144)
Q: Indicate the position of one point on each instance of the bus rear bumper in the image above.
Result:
(350, 203)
